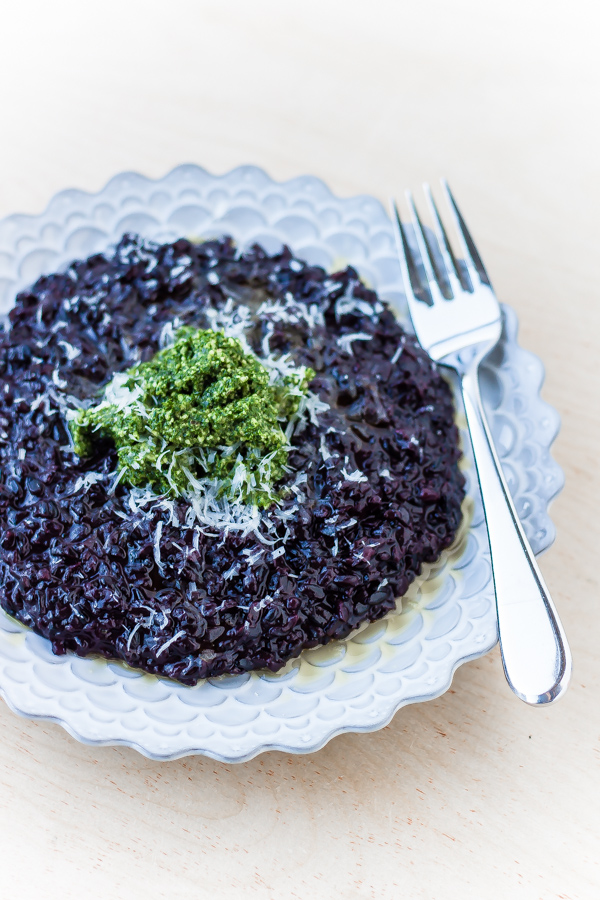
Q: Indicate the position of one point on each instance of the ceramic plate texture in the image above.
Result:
(447, 618)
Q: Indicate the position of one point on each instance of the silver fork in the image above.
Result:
(459, 332)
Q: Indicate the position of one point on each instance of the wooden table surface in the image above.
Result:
(472, 795)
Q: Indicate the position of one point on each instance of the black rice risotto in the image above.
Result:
(195, 589)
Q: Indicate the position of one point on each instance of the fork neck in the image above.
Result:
(463, 360)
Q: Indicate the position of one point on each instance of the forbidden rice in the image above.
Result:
(373, 489)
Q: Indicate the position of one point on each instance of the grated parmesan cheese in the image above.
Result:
(354, 476)
(87, 480)
(58, 381)
(167, 333)
(264, 601)
(71, 351)
(324, 451)
(348, 304)
(346, 340)
(397, 354)
(168, 643)
(157, 536)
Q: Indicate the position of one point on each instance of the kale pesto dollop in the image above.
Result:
(202, 408)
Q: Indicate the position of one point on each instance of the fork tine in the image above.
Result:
(434, 288)
(443, 243)
(408, 267)
(475, 267)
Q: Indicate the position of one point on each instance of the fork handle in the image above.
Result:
(535, 653)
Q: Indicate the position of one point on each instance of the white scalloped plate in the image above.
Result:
(352, 685)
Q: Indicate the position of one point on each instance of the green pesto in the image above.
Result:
(201, 408)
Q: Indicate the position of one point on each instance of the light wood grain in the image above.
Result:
(473, 795)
